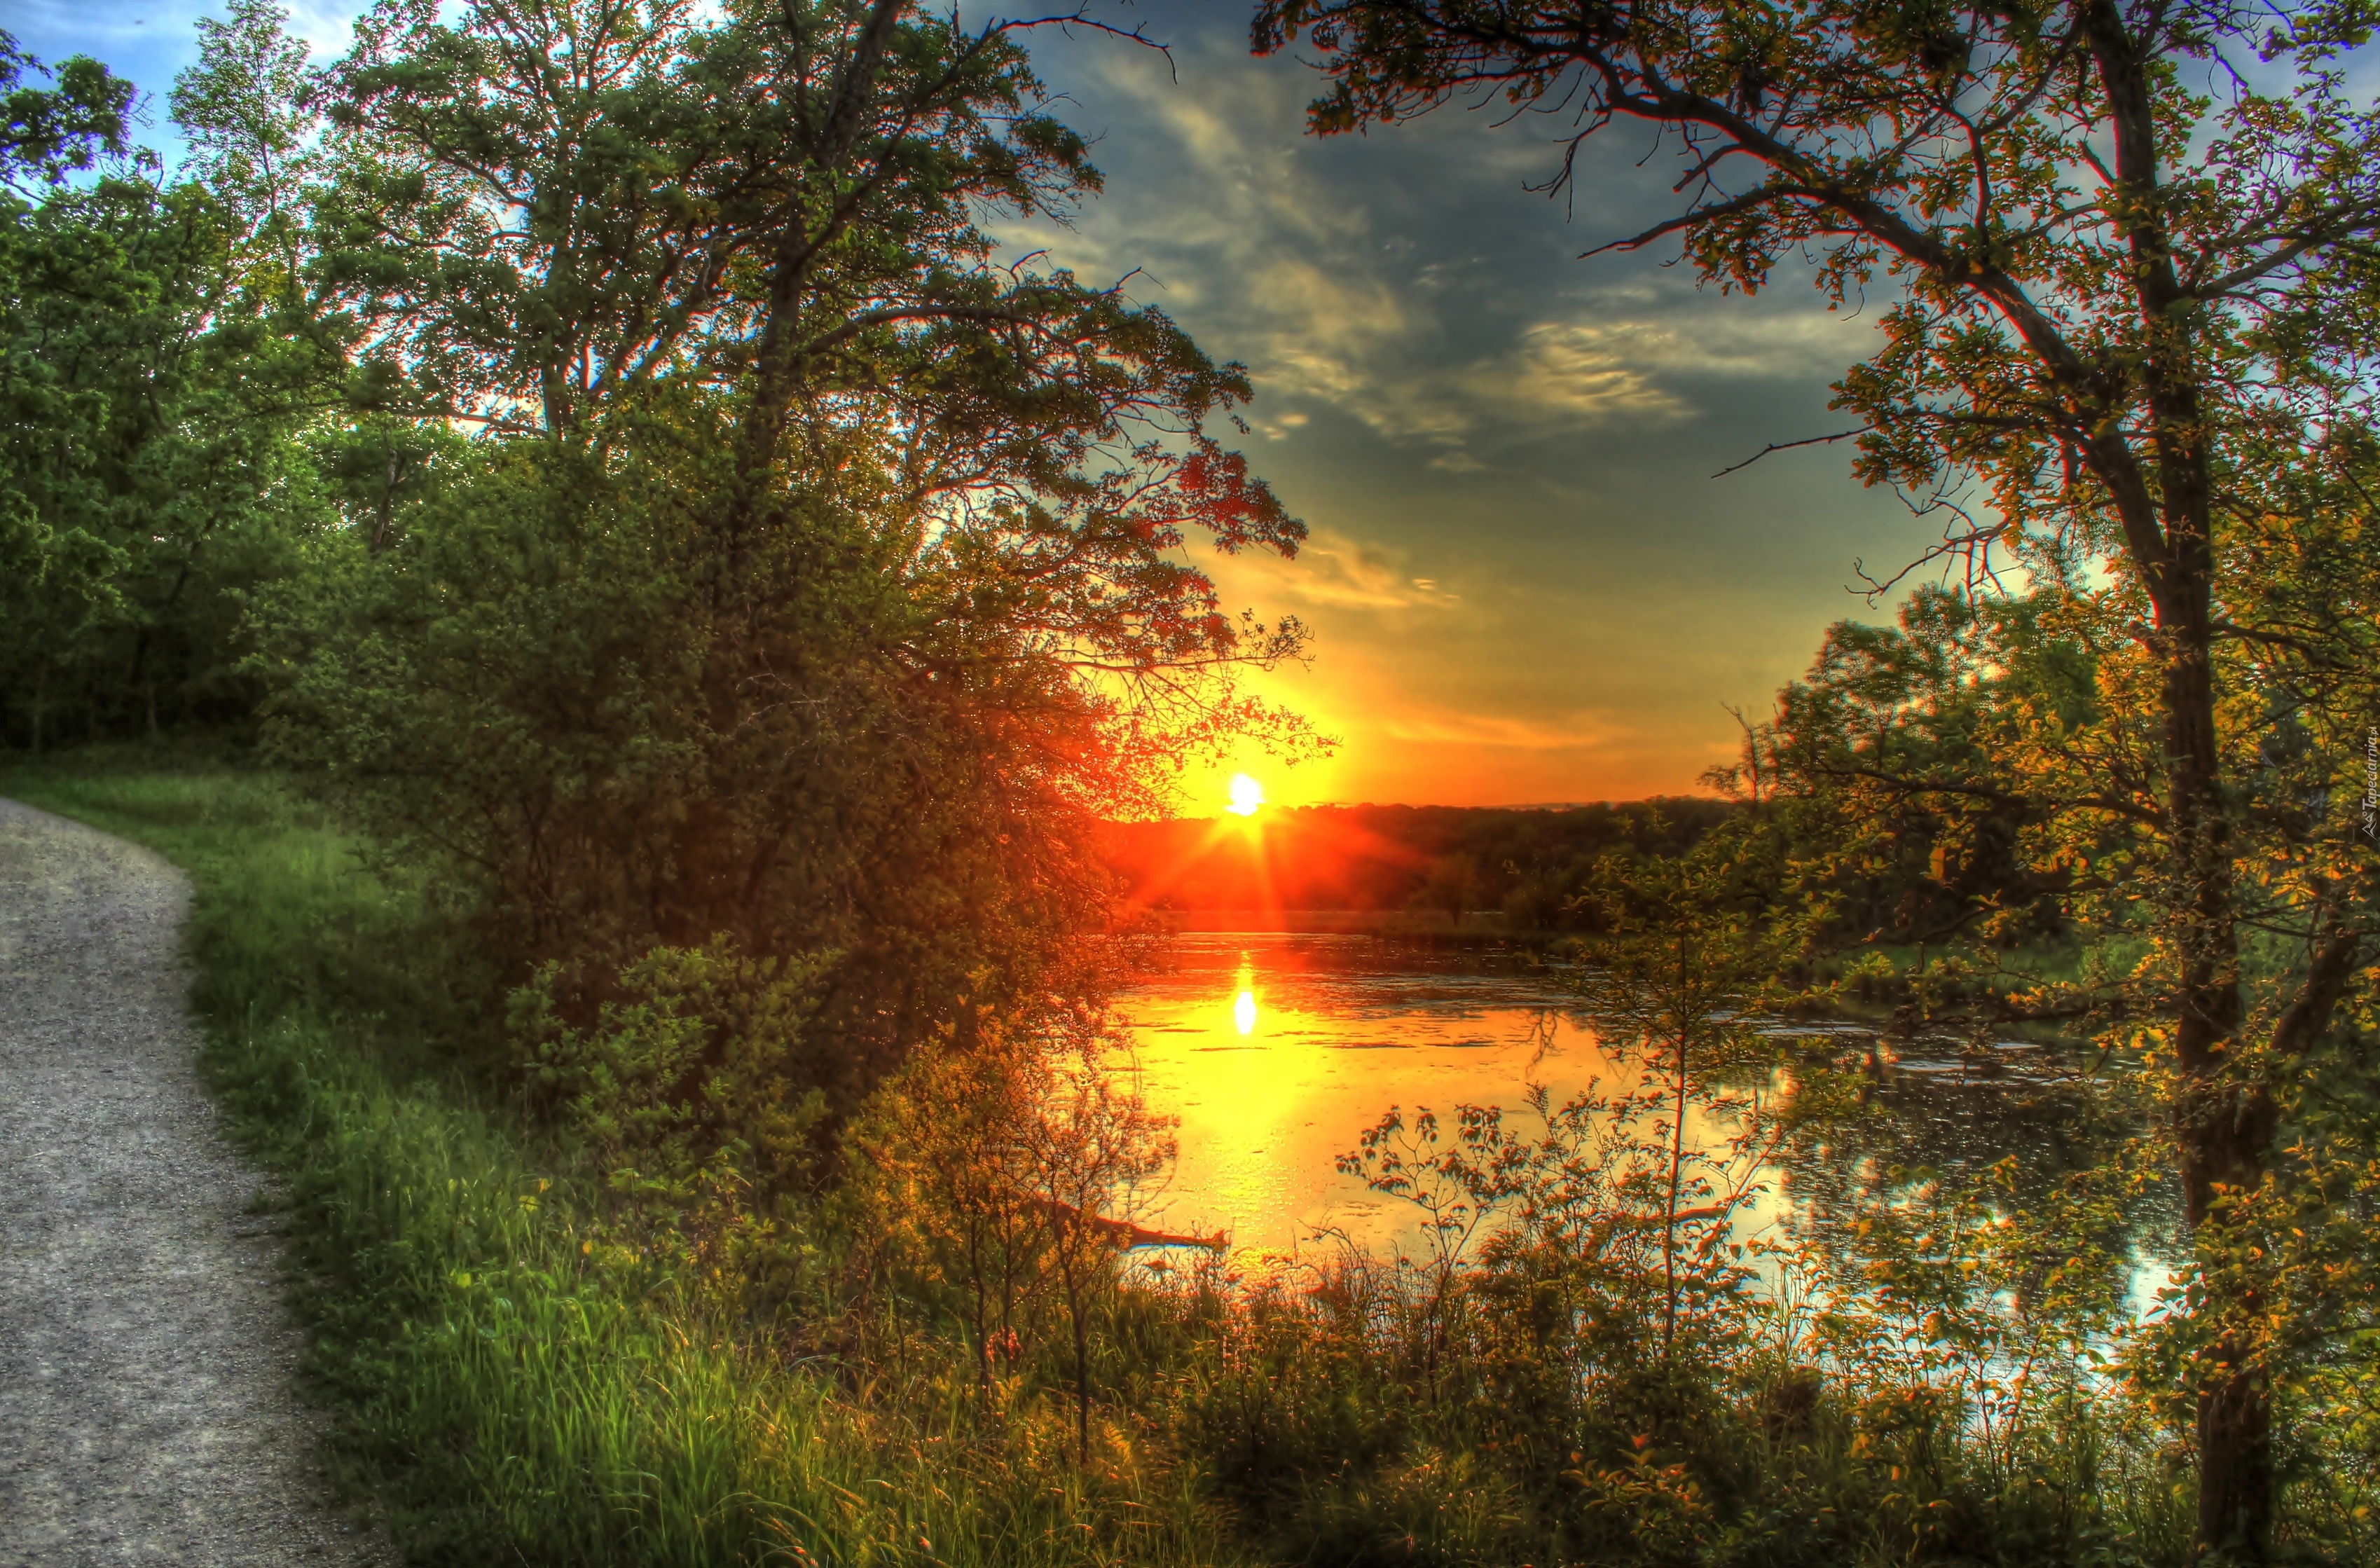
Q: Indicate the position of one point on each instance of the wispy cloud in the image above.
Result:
(1343, 572)
(1611, 366)
(1583, 370)
(1293, 271)
(1569, 732)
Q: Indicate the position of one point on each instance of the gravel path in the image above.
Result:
(146, 1360)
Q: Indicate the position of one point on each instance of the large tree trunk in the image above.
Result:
(2223, 1127)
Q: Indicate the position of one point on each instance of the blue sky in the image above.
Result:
(1525, 583)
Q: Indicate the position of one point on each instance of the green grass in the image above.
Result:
(516, 1379)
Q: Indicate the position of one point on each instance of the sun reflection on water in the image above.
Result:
(1277, 1053)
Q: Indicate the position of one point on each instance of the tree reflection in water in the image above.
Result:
(1277, 1050)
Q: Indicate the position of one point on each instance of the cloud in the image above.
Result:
(1736, 345)
(1257, 232)
(327, 26)
(1615, 366)
(1343, 572)
(155, 38)
(1569, 732)
(1326, 331)
(1333, 272)
(1585, 372)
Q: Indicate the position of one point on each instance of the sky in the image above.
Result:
(1524, 583)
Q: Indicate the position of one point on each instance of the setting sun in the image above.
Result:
(1246, 796)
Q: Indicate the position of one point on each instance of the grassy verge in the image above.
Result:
(515, 1383)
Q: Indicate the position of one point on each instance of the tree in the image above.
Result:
(785, 204)
(2116, 347)
(254, 138)
(56, 566)
(818, 577)
(1010, 1177)
(50, 132)
(944, 1180)
(1993, 760)
(1089, 1147)
(1891, 784)
(155, 377)
(1688, 945)
(159, 357)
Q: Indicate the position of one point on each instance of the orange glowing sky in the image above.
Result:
(1524, 584)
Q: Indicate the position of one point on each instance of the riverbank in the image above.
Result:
(515, 1374)
(533, 1360)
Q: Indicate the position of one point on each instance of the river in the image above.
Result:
(1275, 1052)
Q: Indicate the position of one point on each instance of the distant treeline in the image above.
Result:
(1536, 867)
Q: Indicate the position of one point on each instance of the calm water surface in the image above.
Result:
(1277, 1051)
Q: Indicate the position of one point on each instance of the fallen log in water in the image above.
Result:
(1130, 1234)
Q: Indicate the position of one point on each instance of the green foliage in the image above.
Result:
(50, 133)
(154, 365)
(243, 108)
(2102, 365)
(685, 1083)
(2020, 739)
(815, 583)
(521, 1376)
(1927, 1388)
(995, 1188)
(1913, 722)
(527, 684)
(738, 695)
(742, 694)
(531, 1369)
(811, 583)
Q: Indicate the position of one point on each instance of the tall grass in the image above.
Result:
(518, 1380)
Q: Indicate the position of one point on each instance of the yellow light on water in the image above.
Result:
(1244, 1013)
(1246, 796)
